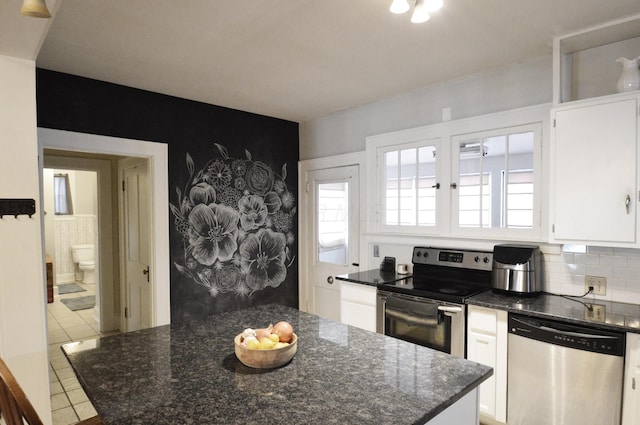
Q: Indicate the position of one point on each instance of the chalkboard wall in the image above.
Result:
(232, 185)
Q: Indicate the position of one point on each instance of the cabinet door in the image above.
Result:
(358, 305)
(487, 344)
(595, 162)
(631, 393)
(482, 349)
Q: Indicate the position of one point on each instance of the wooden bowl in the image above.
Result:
(265, 359)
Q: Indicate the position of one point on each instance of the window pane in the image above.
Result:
(518, 199)
(333, 223)
(474, 200)
(392, 183)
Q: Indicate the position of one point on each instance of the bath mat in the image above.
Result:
(69, 288)
(79, 303)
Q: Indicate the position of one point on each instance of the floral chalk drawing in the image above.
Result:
(236, 218)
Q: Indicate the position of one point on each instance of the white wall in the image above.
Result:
(23, 338)
(512, 87)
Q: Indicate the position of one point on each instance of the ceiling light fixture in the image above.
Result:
(421, 9)
(399, 6)
(35, 9)
(420, 13)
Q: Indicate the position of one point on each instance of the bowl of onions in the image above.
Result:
(266, 348)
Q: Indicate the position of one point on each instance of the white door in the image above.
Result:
(332, 197)
(138, 288)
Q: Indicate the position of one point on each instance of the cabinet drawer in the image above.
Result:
(483, 320)
(358, 293)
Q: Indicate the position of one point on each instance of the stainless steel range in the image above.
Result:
(428, 309)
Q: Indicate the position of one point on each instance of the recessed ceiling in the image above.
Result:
(303, 59)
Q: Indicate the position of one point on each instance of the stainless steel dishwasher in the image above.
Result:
(563, 374)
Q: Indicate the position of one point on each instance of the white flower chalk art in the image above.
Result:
(236, 218)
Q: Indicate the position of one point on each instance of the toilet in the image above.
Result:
(83, 257)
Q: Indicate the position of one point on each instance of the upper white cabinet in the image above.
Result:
(584, 62)
(631, 392)
(594, 163)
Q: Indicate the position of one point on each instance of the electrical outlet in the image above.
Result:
(598, 283)
(595, 313)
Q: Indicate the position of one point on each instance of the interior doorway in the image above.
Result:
(72, 240)
(86, 225)
(86, 146)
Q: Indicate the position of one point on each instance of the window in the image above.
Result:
(410, 186)
(62, 195)
(495, 187)
(333, 222)
(473, 178)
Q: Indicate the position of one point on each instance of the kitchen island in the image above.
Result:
(189, 374)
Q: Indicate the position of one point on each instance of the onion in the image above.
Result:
(284, 330)
(263, 333)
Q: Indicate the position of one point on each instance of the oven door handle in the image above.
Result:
(449, 310)
(412, 319)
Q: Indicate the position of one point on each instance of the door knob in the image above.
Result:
(330, 280)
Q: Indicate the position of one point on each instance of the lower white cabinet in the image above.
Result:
(631, 392)
(487, 344)
(358, 305)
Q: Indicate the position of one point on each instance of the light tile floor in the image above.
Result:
(69, 403)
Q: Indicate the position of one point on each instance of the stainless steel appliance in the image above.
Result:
(516, 268)
(563, 374)
(428, 309)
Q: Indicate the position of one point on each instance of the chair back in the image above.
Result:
(14, 404)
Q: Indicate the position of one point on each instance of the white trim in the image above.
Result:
(157, 154)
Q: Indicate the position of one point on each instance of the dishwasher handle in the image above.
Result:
(575, 334)
(570, 335)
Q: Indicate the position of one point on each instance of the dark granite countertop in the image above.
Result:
(373, 277)
(595, 313)
(189, 374)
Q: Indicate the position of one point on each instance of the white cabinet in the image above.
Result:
(584, 62)
(358, 305)
(631, 392)
(487, 344)
(594, 164)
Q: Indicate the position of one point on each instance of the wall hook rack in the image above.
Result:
(16, 207)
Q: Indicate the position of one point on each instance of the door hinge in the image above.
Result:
(633, 383)
(123, 185)
(126, 313)
(307, 187)
(553, 228)
(554, 123)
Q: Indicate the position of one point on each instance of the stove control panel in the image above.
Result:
(468, 259)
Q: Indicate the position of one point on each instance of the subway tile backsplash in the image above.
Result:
(564, 273)
(564, 269)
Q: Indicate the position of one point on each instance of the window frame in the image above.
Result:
(441, 136)
(380, 188)
(532, 233)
